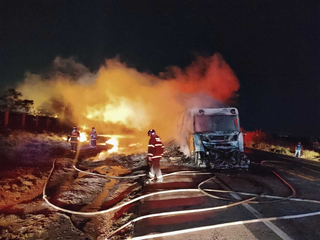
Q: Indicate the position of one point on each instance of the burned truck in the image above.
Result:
(211, 138)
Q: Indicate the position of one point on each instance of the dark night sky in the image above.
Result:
(272, 46)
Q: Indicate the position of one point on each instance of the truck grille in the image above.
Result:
(222, 146)
(216, 137)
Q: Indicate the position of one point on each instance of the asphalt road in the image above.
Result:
(230, 205)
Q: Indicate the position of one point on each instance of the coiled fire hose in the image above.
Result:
(204, 191)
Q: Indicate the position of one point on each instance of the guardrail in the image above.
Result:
(17, 120)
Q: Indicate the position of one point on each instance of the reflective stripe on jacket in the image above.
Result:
(93, 135)
(74, 136)
(155, 147)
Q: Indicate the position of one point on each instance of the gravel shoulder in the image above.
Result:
(25, 215)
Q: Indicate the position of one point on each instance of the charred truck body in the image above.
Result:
(212, 138)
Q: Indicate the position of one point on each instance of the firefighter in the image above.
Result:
(155, 152)
(93, 138)
(74, 137)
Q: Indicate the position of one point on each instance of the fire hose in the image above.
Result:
(110, 209)
(204, 191)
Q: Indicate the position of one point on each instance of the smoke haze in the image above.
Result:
(118, 99)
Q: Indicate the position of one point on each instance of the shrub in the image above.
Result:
(256, 139)
(23, 147)
(280, 150)
(312, 155)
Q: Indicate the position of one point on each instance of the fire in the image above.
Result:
(122, 111)
(101, 156)
(83, 137)
(115, 144)
(118, 99)
(84, 127)
(104, 154)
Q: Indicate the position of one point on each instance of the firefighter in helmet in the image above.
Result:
(155, 152)
(74, 137)
(93, 138)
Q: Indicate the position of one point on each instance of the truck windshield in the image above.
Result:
(212, 123)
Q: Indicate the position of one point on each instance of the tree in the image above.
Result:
(45, 109)
(11, 101)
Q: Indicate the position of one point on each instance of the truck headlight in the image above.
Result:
(234, 138)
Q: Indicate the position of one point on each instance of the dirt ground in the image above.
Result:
(34, 161)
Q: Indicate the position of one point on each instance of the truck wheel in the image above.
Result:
(197, 159)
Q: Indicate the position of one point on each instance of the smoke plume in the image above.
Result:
(118, 99)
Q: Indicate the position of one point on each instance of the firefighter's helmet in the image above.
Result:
(151, 131)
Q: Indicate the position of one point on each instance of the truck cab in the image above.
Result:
(211, 137)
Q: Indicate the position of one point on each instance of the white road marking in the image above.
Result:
(251, 209)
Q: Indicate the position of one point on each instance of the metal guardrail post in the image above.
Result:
(23, 120)
(6, 119)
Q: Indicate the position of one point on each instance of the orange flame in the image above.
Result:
(113, 142)
(121, 100)
(83, 137)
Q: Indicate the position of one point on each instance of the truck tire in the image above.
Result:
(197, 159)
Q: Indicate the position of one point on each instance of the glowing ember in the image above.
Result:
(113, 142)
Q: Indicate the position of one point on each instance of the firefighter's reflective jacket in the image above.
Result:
(74, 136)
(155, 147)
(93, 135)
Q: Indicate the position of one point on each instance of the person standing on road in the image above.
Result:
(74, 137)
(93, 138)
(298, 150)
(155, 152)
